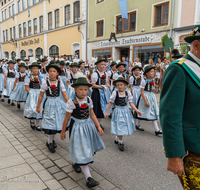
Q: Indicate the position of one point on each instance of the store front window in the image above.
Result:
(105, 53)
(148, 52)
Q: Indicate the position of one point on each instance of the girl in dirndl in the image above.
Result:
(19, 93)
(54, 107)
(147, 102)
(84, 140)
(1, 77)
(111, 74)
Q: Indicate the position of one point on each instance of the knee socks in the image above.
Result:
(37, 122)
(138, 122)
(2, 96)
(50, 138)
(155, 124)
(86, 171)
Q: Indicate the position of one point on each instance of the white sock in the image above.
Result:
(155, 124)
(50, 138)
(2, 96)
(120, 141)
(33, 121)
(18, 103)
(138, 122)
(86, 171)
(99, 120)
(116, 138)
(37, 122)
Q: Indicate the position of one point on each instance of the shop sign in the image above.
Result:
(30, 42)
(142, 39)
(181, 38)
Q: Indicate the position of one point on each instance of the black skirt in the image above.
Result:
(97, 104)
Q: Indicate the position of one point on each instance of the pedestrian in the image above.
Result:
(32, 85)
(157, 78)
(176, 55)
(9, 79)
(125, 63)
(179, 114)
(82, 67)
(147, 103)
(19, 93)
(84, 140)
(122, 122)
(111, 73)
(43, 68)
(54, 107)
(138, 62)
(1, 78)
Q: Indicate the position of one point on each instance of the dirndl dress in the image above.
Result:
(1, 79)
(84, 139)
(63, 78)
(136, 94)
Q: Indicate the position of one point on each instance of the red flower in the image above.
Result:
(123, 75)
(24, 76)
(53, 86)
(62, 70)
(83, 106)
(36, 80)
(152, 83)
(139, 78)
(103, 76)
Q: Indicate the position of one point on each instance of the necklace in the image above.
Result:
(52, 80)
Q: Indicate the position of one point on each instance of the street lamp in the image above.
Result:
(14, 42)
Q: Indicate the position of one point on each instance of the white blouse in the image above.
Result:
(69, 76)
(17, 75)
(114, 94)
(44, 86)
(6, 71)
(94, 77)
(116, 75)
(27, 80)
(71, 106)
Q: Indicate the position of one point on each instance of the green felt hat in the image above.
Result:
(22, 65)
(34, 64)
(26, 59)
(147, 69)
(52, 62)
(67, 63)
(62, 63)
(120, 79)
(81, 81)
(58, 61)
(177, 56)
(120, 63)
(55, 67)
(11, 61)
(80, 62)
(43, 60)
(194, 35)
(113, 63)
(6, 59)
(100, 60)
(136, 67)
(18, 60)
(74, 64)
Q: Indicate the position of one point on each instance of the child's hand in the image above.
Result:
(106, 116)
(38, 110)
(139, 113)
(101, 131)
(12, 89)
(62, 135)
(4, 85)
(147, 103)
(108, 86)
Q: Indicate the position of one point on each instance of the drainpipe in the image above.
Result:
(172, 20)
(86, 35)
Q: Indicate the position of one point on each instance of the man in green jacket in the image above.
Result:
(180, 114)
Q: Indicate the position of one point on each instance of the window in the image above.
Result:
(41, 24)
(57, 19)
(77, 11)
(106, 52)
(53, 50)
(24, 29)
(99, 1)
(5, 11)
(126, 25)
(1, 3)
(19, 6)
(4, 1)
(2, 15)
(14, 32)
(38, 52)
(13, 55)
(23, 5)
(34, 2)
(50, 21)
(4, 37)
(20, 30)
(28, 3)
(35, 25)
(161, 14)
(10, 33)
(67, 14)
(100, 28)
(22, 54)
(13, 9)
(9, 10)
(29, 27)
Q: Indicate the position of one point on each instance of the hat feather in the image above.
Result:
(80, 74)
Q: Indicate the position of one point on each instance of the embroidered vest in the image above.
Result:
(136, 82)
(34, 85)
(63, 73)
(43, 71)
(121, 101)
(53, 92)
(148, 87)
(21, 79)
(100, 80)
(72, 80)
(11, 75)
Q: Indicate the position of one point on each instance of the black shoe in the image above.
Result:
(54, 144)
(91, 182)
(13, 104)
(110, 116)
(18, 106)
(8, 101)
(158, 132)
(77, 168)
(102, 127)
(116, 142)
(32, 124)
(2, 100)
(139, 128)
(121, 146)
(38, 128)
(50, 147)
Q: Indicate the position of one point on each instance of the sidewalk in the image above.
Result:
(26, 164)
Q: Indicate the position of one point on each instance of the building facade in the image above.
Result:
(138, 36)
(30, 28)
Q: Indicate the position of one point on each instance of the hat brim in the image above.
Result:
(148, 70)
(124, 81)
(120, 65)
(21, 66)
(177, 56)
(30, 66)
(81, 84)
(12, 63)
(100, 61)
(133, 69)
(74, 65)
(190, 39)
(55, 67)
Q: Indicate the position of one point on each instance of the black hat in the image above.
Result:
(120, 79)
(120, 63)
(136, 67)
(55, 67)
(100, 60)
(81, 81)
(147, 69)
(22, 65)
(74, 64)
(34, 64)
(113, 63)
(67, 63)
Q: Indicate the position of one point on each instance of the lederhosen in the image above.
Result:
(121, 101)
(79, 113)
(72, 80)
(21, 79)
(136, 82)
(11, 75)
(96, 96)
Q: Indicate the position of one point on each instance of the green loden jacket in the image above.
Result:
(180, 107)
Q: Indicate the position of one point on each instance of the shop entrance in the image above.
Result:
(124, 52)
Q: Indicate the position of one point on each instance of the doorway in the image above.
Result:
(124, 52)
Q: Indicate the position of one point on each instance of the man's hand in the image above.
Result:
(175, 165)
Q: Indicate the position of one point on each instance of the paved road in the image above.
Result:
(142, 166)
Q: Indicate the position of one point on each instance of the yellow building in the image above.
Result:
(30, 28)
